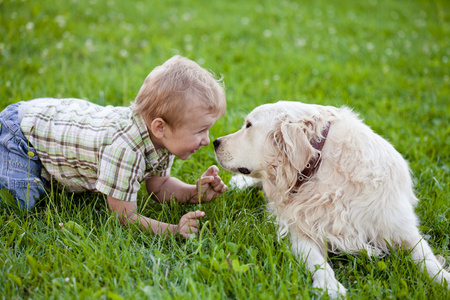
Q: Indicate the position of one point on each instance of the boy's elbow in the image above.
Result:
(124, 210)
(156, 186)
(125, 216)
(124, 219)
(155, 183)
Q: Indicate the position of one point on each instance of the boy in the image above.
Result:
(112, 150)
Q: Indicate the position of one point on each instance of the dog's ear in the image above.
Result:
(292, 140)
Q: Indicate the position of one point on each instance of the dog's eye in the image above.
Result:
(248, 125)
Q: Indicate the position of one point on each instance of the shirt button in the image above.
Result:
(30, 153)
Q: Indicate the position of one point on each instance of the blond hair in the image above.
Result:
(176, 86)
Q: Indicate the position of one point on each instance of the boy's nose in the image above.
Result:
(216, 143)
(205, 141)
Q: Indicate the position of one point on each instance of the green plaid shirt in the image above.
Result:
(87, 147)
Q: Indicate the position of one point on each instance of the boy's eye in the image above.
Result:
(248, 125)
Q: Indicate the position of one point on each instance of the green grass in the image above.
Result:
(389, 60)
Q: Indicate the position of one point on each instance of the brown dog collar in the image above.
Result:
(314, 162)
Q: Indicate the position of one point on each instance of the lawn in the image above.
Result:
(387, 59)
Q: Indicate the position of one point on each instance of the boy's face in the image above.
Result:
(185, 139)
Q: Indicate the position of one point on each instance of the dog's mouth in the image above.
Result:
(244, 171)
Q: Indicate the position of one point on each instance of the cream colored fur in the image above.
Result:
(360, 198)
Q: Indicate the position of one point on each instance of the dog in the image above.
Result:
(334, 185)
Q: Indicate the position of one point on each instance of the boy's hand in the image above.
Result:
(211, 186)
(189, 223)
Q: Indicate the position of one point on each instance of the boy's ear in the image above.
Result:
(157, 127)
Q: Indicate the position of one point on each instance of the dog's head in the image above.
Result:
(274, 140)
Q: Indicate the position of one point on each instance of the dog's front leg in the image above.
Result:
(239, 181)
(323, 275)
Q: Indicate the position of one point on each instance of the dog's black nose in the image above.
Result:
(244, 171)
(216, 143)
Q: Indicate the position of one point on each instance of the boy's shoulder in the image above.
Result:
(78, 113)
(61, 107)
(71, 118)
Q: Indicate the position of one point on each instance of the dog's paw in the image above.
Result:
(446, 278)
(333, 287)
(443, 277)
(244, 182)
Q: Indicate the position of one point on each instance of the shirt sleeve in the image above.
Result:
(119, 172)
(167, 165)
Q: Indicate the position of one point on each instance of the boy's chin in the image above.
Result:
(185, 157)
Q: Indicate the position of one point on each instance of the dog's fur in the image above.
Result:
(361, 197)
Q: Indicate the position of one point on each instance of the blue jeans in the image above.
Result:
(20, 167)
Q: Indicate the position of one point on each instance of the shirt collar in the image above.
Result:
(152, 155)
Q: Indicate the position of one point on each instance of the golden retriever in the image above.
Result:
(333, 183)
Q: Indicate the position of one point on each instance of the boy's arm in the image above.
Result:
(164, 188)
(126, 211)
(211, 186)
